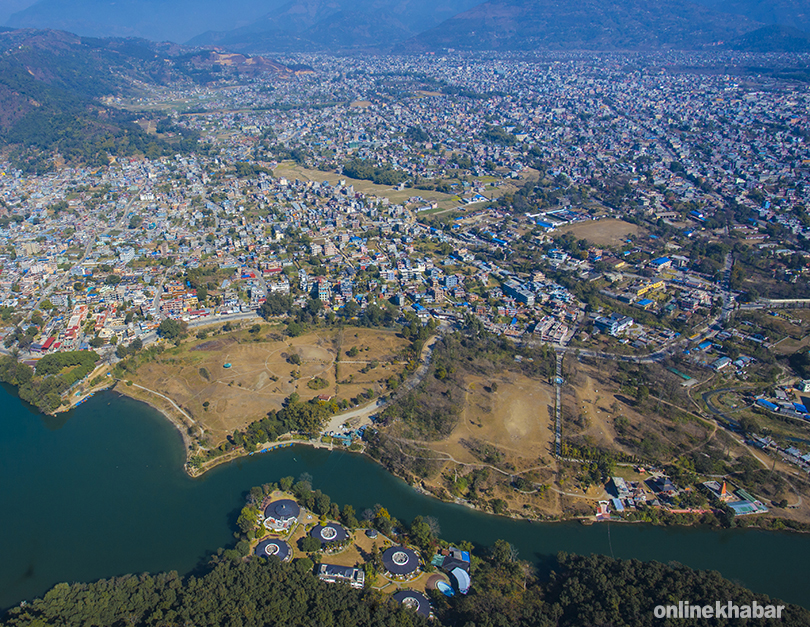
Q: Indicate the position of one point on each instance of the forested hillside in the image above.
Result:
(52, 86)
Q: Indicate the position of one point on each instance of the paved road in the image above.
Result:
(365, 412)
(728, 296)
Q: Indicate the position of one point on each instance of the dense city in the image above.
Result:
(631, 208)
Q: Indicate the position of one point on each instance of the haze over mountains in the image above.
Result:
(589, 24)
(256, 26)
(158, 20)
(330, 24)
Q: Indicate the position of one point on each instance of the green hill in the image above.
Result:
(52, 86)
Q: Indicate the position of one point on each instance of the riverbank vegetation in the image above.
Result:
(55, 374)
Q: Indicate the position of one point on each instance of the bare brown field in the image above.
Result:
(516, 418)
(261, 374)
(608, 232)
(513, 421)
(593, 406)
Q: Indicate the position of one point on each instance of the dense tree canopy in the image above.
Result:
(55, 374)
(580, 591)
(258, 592)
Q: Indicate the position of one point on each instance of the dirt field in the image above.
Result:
(513, 423)
(602, 232)
(592, 405)
(515, 418)
(261, 374)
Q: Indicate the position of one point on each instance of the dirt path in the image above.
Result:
(175, 405)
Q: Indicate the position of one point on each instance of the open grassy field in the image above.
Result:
(607, 232)
(263, 373)
(292, 171)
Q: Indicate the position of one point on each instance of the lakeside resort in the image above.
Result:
(346, 555)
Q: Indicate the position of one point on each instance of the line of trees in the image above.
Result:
(385, 175)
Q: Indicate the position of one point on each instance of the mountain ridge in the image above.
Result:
(586, 24)
(331, 24)
(158, 20)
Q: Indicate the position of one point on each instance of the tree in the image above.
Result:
(276, 305)
(351, 309)
(294, 329)
(501, 552)
(285, 483)
(248, 518)
(310, 544)
(171, 329)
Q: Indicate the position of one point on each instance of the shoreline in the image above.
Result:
(242, 453)
(120, 388)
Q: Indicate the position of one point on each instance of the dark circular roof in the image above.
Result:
(282, 510)
(330, 532)
(417, 601)
(279, 548)
(400, 560)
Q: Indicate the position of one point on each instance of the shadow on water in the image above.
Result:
(24, 404)
(54, 423)
(543, 564)
(51, 423)
(28, 573)
(203, 565)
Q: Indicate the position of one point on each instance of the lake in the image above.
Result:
(101, 492)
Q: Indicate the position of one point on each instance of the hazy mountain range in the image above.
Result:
(414, 25)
